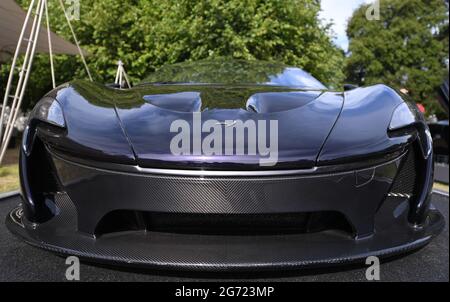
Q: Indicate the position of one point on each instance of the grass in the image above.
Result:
(9, 178)
(440, 187)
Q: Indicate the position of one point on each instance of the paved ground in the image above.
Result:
(441, 173)
(20, 262)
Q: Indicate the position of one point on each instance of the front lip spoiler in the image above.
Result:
(162, 251)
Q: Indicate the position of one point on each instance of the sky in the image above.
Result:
(339, 11)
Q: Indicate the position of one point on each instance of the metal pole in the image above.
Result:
(50, 48)
(121, 76)
(126, 78)
(117, 76)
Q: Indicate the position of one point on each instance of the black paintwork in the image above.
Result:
(148, 131)
(130, 127)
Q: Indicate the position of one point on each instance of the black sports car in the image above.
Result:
(226, 165)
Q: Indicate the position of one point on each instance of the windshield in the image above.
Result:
(234, 72)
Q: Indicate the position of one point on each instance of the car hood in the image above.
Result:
(314, 128)
(303, 121)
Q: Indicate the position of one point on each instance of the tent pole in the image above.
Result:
(121, 75)
(126, 77)
(76, 40)
(50, 47)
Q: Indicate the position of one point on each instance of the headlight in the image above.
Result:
(48, 110)
(403, 116)
(406, 114)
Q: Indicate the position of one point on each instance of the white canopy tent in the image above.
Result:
(12, 18)
(29, 40)
(23, 33)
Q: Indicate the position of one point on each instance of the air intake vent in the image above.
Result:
(41, 183)
(406, 181)
(223, 224)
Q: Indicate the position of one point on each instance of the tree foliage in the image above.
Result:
(407, 48)
(146, 34)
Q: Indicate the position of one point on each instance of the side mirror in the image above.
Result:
(348, 87)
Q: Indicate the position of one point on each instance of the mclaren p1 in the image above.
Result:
(119, 176)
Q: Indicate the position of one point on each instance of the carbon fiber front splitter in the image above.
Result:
(220, 253)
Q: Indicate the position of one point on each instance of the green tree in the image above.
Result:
(146, 34)
(407, 48)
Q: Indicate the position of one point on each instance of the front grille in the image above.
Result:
(405, 183)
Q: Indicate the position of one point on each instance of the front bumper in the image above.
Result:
(218, 253)
(379, 219)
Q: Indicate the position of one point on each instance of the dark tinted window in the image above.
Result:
(234, 72)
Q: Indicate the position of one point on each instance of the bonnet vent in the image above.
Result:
(182, 102)
(279, 101)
